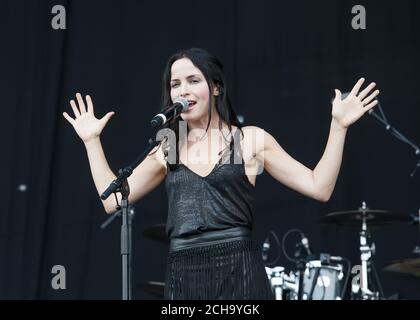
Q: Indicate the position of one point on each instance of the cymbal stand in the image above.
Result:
(366, 253)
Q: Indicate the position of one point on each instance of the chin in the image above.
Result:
(193, 115)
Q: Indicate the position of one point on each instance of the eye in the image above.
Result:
(174, 85)
(195, 81)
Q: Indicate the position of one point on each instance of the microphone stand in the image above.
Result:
(117, 214)
(382, 118)
(120, 185)
(301, 267)
(131, 214)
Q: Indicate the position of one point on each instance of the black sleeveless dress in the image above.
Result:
(212, 254)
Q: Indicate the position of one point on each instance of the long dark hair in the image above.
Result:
(212, 69)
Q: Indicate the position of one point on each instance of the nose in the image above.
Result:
(183, 90)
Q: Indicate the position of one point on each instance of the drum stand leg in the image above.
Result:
(366, 253)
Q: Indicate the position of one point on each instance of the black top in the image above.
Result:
(223, 199)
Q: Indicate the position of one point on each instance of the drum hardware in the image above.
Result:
(275, 275)
(324, 280)
(285, 287)
(301, 273)
(372, 218)
(405, 266)
(302, 254)
(366, 254)
(364, 217)
(315, 282)
(321, 280)
(408, 266)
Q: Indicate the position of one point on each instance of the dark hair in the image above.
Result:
(212, 69)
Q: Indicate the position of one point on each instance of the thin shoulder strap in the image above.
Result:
(235, 147)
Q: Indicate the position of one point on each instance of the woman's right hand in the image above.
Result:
(86, 125)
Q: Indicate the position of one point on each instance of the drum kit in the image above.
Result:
(326, 277)
(321, 280)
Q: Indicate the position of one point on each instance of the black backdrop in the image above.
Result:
(283, 60)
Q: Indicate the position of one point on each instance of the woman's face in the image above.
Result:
(188, 81)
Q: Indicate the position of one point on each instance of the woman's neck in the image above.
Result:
(197, 129)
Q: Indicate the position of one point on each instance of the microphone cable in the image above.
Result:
(273, 263)
(283, 243)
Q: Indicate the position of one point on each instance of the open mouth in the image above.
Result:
(191, 104)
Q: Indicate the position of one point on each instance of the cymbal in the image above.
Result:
(373, 218)
(407, 266)
(157, 233)
(155, 288)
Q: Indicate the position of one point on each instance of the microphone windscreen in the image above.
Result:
(183, 102)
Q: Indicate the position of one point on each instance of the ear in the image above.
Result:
(216, 90)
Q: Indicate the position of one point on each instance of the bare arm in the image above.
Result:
(320, 182)
(146, 176)
(285, 169)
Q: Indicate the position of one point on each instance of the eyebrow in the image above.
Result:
(189, 77)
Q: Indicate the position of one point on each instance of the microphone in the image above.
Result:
(180, 105)
(265, 249)
(305, 243)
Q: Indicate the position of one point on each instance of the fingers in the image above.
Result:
(74, 107)
(106, 117)
(81, 103)
(82, 107)
(357, 86)
(370, 106)
(370, 98)
(68, 118)
(89, 104)
(366, 91)
(337, 94)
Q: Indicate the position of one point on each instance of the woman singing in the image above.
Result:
(210, 174)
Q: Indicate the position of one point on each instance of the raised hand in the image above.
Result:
(86, 125)
(356, 104)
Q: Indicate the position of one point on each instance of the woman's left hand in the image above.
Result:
(347, 111)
